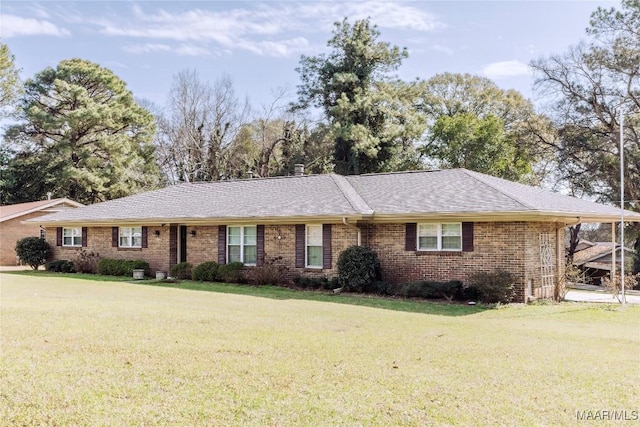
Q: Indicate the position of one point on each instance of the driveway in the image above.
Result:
(597, 294)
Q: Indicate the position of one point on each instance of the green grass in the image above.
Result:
(81, 352)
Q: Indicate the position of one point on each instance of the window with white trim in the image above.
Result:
(130, 237)
(242, 244)
(440, 237)
(314, 246)
(72, 236)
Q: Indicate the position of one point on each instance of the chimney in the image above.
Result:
(49, 195)
(299, 169)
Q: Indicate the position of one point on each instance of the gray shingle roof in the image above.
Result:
(455, 191)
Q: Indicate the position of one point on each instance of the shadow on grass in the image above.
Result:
(281, 293)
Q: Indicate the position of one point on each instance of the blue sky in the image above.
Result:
(259, 43)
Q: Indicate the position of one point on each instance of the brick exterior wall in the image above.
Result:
(11, 231)
(511, 246)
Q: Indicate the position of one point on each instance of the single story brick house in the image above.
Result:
(13, 227)
(424, 225)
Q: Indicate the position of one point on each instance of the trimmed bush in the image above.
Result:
(121, 267)
(358, 268)
(431, 289)
(380, 287)
(33, 251)
(60, 266)
(182, 271)
(493, 287)
(316, 282)
(272, 272)
(86, 262)
(206, 272)
(231, 273)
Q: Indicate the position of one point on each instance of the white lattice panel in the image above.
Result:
(546, 261)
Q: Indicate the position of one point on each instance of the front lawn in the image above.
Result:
(82, 352)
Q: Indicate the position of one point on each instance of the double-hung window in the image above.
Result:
(72, 236)
(130, 237)
(314, 246)
(440, 237)
(242, 244)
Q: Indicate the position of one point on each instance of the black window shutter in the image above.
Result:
(411, 234)
(326, 245)
(260, 244)
(300, 243)
(84, 237)
(145, 237)
(222, 244)
(114, 237)
(173, 244)
(467, 237)
(59, 236)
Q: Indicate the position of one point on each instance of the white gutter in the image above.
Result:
(355, 227)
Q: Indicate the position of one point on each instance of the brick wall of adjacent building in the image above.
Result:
(11, 231)
(511, 246)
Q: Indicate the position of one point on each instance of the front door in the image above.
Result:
(182, 247)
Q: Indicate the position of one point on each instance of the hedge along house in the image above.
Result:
(424, 225)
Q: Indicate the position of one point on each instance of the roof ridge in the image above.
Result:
(351, 194)
(481, 177)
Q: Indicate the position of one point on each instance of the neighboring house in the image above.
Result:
(12, 227)
(424, 225)
(594, 260)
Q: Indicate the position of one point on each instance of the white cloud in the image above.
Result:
(270, 29)
(192, 50)
(498, 70)
(146, 48)
(14, 26)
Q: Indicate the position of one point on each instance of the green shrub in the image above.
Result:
(33, 251)
(493, 287)
(121, 267)
(431, 289)
(182, 271)
(358, 268)
(206, 272)
(380, 287)
(86, 262)
(60, 266)
(231, 273)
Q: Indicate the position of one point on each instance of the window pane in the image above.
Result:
(430, 242)
(233, 235)
(314, 235)
(250, 235)
(124, 240)
(428, 230)
(234, 253)
(67, 241)
(250, 254)
(77, 241)
(452, 242)
(451, 229)
(314, 256)
(67, 232)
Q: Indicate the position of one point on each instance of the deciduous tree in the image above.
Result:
(9, 80)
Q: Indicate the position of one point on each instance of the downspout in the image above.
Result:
(355, 227)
